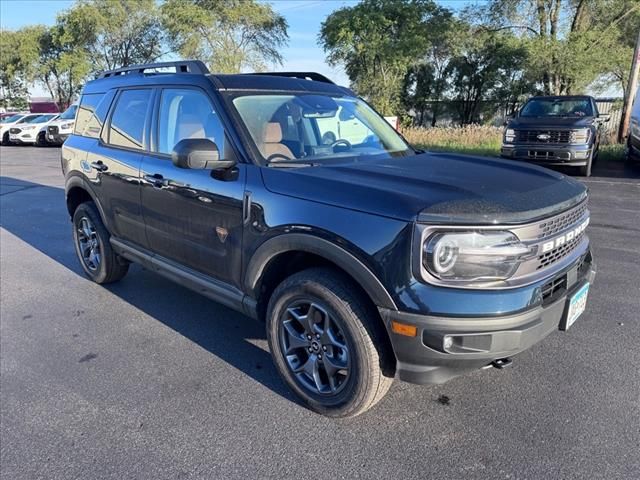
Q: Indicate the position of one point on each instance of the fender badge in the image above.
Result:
(223, 233)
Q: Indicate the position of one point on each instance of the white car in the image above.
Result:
(58, 130)
(26, 131)
(9, 122)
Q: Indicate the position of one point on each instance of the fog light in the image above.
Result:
(581, 154)
(447, 343)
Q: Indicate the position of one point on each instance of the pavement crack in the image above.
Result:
(19, 190)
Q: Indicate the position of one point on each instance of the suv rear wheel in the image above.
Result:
(322, 336)
(91, 239)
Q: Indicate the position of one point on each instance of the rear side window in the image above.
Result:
(128, 119)
(187, 113)
(87, 124)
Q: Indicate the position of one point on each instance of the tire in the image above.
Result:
(91, 237)
(585, 170)
(40, 140)
(348, 334)
(5, 139)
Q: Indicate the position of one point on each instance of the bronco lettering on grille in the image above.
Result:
(567, 237)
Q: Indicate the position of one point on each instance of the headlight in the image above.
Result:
(29, 127)
(474, 256)
(580, 136)
(66, 126)
(509, 135)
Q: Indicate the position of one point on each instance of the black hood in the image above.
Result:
(551, 122)
(433, 187)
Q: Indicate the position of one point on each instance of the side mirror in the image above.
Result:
(199, 154)
(604, 117)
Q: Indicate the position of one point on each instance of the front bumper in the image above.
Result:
(24, 138)
(56, 139)
(549, 154)
(478, 341)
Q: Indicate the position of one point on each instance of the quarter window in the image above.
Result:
(87, 124)
(128, 119)
(187, 113)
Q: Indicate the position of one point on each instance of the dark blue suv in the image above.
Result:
(288, 198)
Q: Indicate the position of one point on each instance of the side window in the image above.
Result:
(187, 113)
(92, 113)
(128, 119)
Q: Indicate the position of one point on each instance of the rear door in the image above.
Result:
(113, 163)
(192, 217)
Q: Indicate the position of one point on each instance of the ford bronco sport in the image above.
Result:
(555, 131)
(367, 259)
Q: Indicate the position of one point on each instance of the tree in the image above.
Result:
(378, 41)
(484, 69)
(19, 52)
(571, 43)
(230, 36)
(61, 67)
(114, 33)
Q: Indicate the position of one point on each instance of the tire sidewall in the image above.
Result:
(360, 368)
(87, 210)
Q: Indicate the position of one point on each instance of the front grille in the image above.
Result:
(52, 130)
(559, 252)
(553, 289)
(548, 136)
(562, 221)
(14, 130)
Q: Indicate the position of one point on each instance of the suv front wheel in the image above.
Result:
(326, 344)
(91, 239)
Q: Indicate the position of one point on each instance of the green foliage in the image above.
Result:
(570, 43)
(230, 36)
(114, 33)
(19, 52)
(378, 41)
(61, 66)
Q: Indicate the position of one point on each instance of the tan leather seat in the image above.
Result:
(271, 138)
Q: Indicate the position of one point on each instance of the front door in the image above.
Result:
(192, 217)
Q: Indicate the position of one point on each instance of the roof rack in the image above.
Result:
(318, 77)
(182, 66)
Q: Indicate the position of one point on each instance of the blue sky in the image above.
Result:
(304, 18)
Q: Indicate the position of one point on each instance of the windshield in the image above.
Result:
(314, 128)
(39, 119)
(557, 107)
(12, 118)
(69, 113)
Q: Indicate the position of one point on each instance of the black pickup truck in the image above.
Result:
(557, 130)
(288, 198)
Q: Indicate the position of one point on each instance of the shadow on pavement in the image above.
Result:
(37, 215)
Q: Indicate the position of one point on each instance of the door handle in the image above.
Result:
(99, 166)
(156, 180)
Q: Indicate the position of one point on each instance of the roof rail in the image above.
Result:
(318, 77)
(181, 66)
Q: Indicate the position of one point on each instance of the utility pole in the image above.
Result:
(632, 86)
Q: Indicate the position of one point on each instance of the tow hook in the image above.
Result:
(502, 363)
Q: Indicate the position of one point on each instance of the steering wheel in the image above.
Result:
(278, 155)
(342, 141)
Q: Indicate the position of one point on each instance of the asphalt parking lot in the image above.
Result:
(145, 379)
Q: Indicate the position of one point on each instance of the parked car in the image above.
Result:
(60, 129)
(556, 130)
(26, 131)
(633, 138)
(9, 122)
(367, 260)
